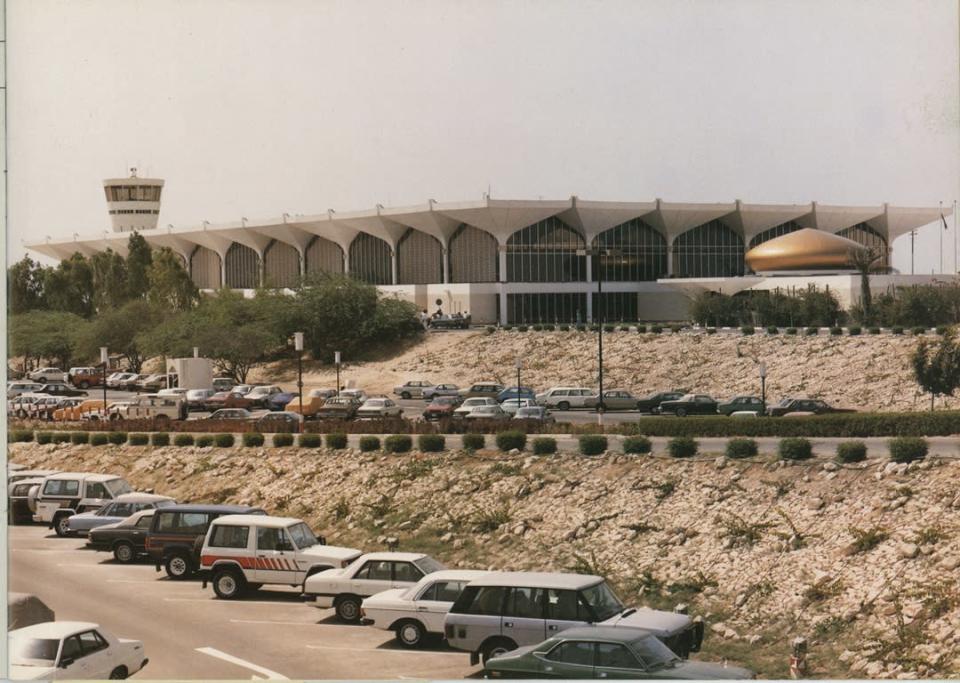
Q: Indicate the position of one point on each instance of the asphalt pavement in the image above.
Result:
(188, 633)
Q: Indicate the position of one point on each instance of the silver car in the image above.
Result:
(122, 507)
(470, 404)
(430, 393)
(413, 389)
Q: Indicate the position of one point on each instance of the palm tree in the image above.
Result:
(863, 260)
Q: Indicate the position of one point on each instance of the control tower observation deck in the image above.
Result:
(134, 203)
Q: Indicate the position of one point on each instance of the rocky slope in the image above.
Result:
(868, 372)
(861, 560)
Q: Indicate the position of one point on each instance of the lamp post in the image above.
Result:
(105, 359)
(298, 347)
(519, 364)
(336, 361)
(598, 319)
(763, 385)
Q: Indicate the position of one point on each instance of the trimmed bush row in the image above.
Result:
(544, 445)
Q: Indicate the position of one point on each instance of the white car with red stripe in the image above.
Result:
(244, 552)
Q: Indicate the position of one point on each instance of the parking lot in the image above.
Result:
(187, 633)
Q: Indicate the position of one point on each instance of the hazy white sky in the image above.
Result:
(258, 107)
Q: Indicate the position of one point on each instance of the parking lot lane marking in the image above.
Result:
(270, 675)
(266, 621)
(214, 601)
(386, 651)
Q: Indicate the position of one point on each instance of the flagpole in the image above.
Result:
(941, 238)
(956, 268)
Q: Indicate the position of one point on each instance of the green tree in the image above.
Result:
(169, 284)
(51, 335)
(864, 260)
(332, 312)
(109, 273)
(122, 330)
(139, 260)
(25, 286)
(937, 370)
(69, 286)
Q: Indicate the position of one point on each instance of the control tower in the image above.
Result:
(134, 203)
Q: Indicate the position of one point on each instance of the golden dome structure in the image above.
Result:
(805, 249)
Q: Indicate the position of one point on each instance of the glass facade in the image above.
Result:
(419, 259)
(546, 252)
(324, 256)
(775, 231)
(473, 256)
(205, 268)
(133, 193)
(641, 253)
(281, 265)
(242, 267)
(528, 309)
(861, 233)
(615, 307)
(371, 260)
(709, 250)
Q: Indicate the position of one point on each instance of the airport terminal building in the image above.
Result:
(519, 261)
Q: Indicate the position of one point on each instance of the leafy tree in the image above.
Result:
(937, 371)
(25, 286)
(45, 335)
(69, 286)
(139, 260)
(169, 284)
(332, 312)
(122, 330)
(109, 272)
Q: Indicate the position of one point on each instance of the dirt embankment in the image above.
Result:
(867, 372)
(862, 560)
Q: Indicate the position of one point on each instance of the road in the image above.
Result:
(187, 633)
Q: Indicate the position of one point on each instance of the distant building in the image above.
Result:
(518, 261)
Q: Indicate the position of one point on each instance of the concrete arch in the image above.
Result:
(711, 249)
(281, 265)
(205, 268)
(371, 259)
(473, 255)
(323, 256)
(241, 267)
(546, 251)
(775, 231)
(640, 253)
(419, 259)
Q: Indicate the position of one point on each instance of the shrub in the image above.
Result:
(521, 328)
(741, 448)
(548, 328)
(99, 439)
(907, 448)
(874, 330)
(918, 330)
(369, 443)
(80, 437)
(160, 439)
(851, 451)
(942, 330)
(676, 329)
(795, 448)
(490, 329)
(564, 328)
(538, 328)
(508, 328)
(641, 329)
(507, 441)
(224, 440)
(711, 330)
(118, 438)
(854, 331)
(594, 328)
(836, 331)
(398, 443)
(747, 329)
(44, 437)
(609, 328)
(305, 440)
(592, 444)
(251, 439)
(682, 447)
(336, 440)
(183, 440)
(204, 440)
(474, 442)
(138, 439)
(581, 328)
(773, 329)
(285, 440)
(896, 329)
(20, 435)
(812, 331)
(61, 437)
(637, 444)
(431, 443)
(791, 331)
(544, 445)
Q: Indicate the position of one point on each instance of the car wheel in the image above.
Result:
(84, 384)
(411, 633)
(563, 405)
(22, 414)
(348, 609)
(496, 648)
(62, 526)
(119, 673)
(123, 552)
(227, 583)
(405, 395)
(681, 412)
(178, 566)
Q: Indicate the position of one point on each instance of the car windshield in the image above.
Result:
(654, 652)
(374, 403)
(118, 487)
(428, 565)
(302, 536)
(444, 401)
(603, 601)
(33, 651)
(785, 402)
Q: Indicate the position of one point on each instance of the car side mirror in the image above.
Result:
(65, 662)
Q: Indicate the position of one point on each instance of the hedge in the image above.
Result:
(812, 331)
(474, 442)
(747, 329)
(641, 329)
(896, 329)
(544, 445)
(369, 443)
(44, 437)
(854, 331)
(431, 443)
(507, 441)
(336, 440)
(305, 441)
(251, 439)
(204, 440)
(773, 329)
(836, 331)
(741, 448)
(917, 331)
(398, 443)
(791, 330)
(99, 439)
(138, 439)
(907, 448)
(795, 448)
(117, 438)
(224, 440)
(284, 439)
(874, 330)
(682, 447)
(20, 436)
(160, 439)
(592, 444)
(637, 444)
(851, 451)
(183, 440)
(61, 437)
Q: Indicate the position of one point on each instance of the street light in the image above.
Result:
(763, 385)
(598, 319)
(298, 347)
(518, 364)
(105, 359)
(336, 360)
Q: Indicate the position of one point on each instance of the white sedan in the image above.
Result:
(413, 613)
(72, 650)
(512, 405)
(378, 407)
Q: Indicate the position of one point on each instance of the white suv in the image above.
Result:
(65, 494)
(243, 552)
(161, 409)
(566, 398)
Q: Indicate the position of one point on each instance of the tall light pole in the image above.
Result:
(105, 359)
(298, 347)
(336, 361)
(598, 318)
(519, 364)
(763, 385)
